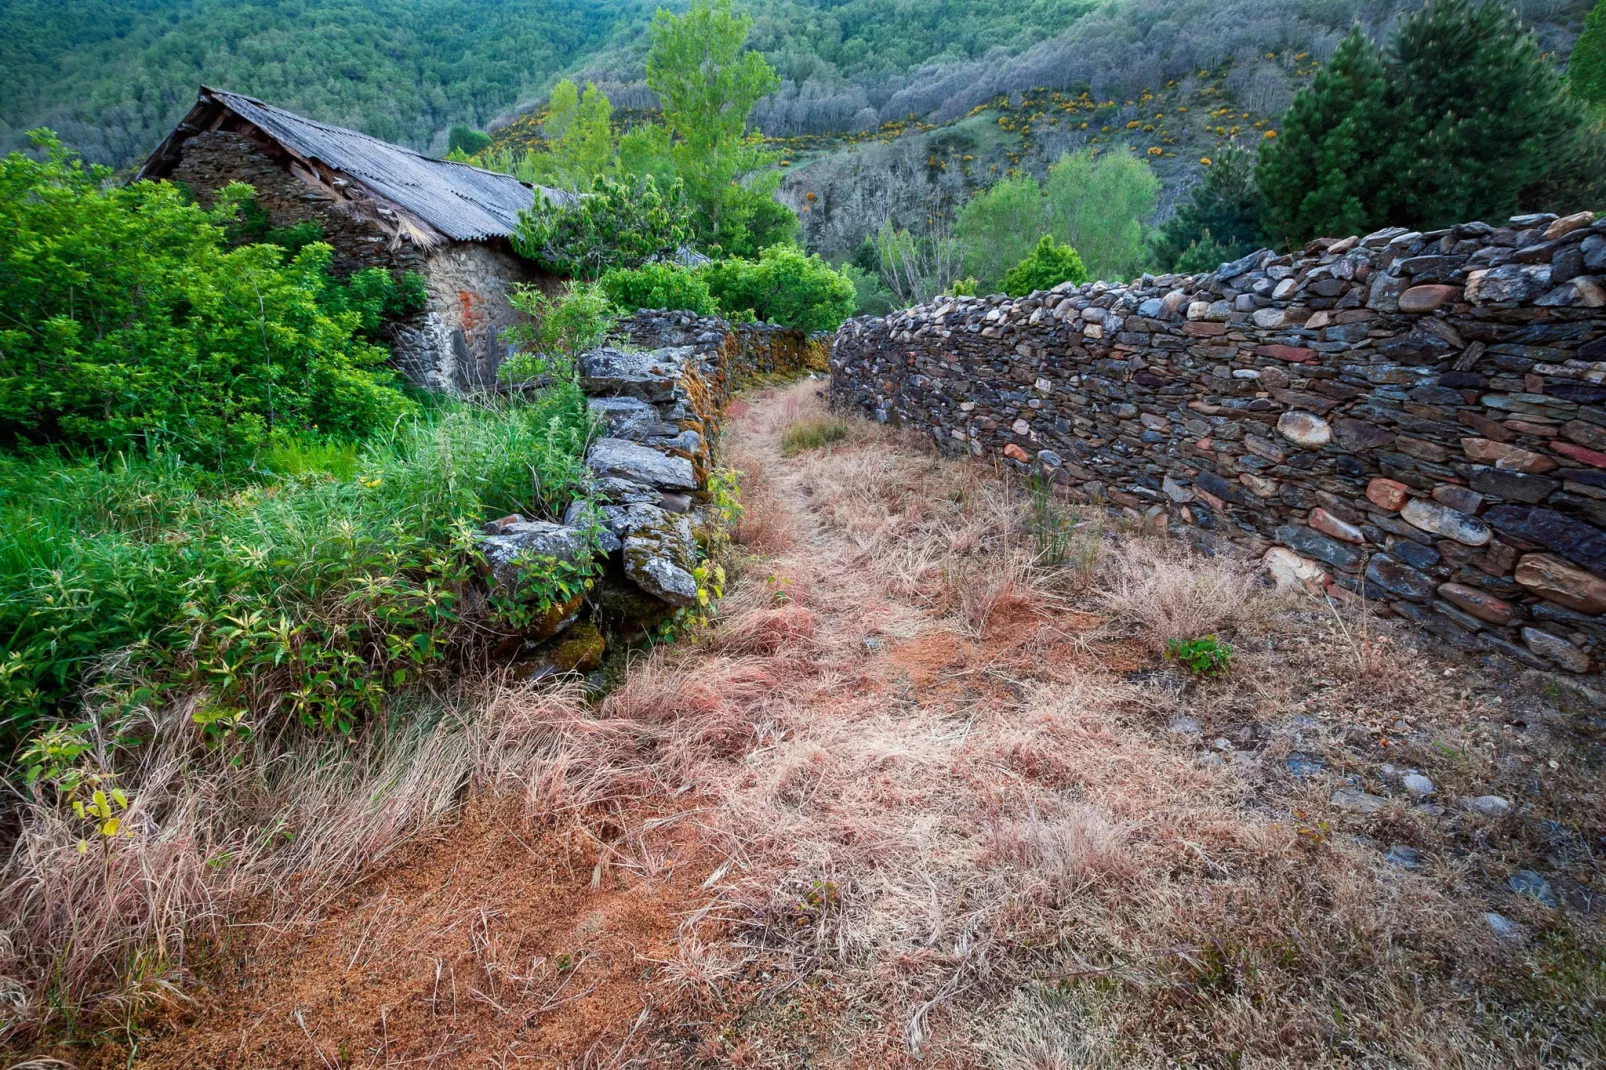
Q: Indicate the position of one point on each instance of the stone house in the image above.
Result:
(380, 205)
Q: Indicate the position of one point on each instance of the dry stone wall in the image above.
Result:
(657, 398)
(1414, 418)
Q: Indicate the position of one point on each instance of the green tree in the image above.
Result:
(1331, 169)
(129, 320)
(998, 227)
(1225, 212)
(620, 223)
(707, 84)
(1099, 205)
(1586, 70)
(1462, 118)
(1046, 266)
(1204, 254)
(467, 140)
(785, 286)
(1487, 112)
(580, 131)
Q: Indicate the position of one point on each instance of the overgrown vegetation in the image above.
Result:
(130, 324)
(307, 592)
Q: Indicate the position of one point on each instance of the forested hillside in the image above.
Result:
(111, 76)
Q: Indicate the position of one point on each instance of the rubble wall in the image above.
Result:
(1414, 418)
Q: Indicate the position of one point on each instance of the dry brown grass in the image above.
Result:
(952, 812)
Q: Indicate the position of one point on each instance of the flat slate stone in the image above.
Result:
(650, 376)
(622, 459)
(1573, 539)
(630, 418)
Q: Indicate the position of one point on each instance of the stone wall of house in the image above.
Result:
(455, 344)
(213, 159)
(1414, 418)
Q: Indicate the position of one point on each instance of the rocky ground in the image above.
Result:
(929, 792)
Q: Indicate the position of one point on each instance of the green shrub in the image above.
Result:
(658, 285)
(1205, 656)
(467, 140)
(310, 592)
(578, 320)
(783, 286)
(130, 323)
(1045, 267)
(620, 223)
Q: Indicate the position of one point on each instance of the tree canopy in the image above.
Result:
(1460, 117)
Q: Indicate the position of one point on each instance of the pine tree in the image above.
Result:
(1329, 171)
(1487, 112)
(1463, 118)
(1586, 70)
(1226, 213)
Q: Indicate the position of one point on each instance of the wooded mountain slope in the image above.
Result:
(111, 75)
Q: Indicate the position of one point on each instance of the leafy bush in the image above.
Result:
(309, 593)
(1205, 656)
(620, 223)
(785, 286)
(658, 285)
(129, 323)
(1045, 267)
(467, 140)
(576, 321)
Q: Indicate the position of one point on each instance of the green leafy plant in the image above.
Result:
(660, 285)
(620, 223)
(562, 328)
(130, 323)
(307, 593)
(1048, 265)
(784, 286)
(1204, 656)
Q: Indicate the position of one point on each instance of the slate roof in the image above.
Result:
(461, 201)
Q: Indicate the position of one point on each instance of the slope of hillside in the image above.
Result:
(112, 77)
(885, 111)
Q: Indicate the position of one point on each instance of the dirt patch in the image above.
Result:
(493, 942)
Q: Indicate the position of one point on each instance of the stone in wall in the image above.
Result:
(1417, 418)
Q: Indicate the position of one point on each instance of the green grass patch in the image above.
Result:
(815, 432)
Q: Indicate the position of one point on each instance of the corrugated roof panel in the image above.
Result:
(459, 200)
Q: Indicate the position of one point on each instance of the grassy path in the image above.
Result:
(927, 793)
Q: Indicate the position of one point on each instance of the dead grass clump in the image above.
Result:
(1175, 594)
(103, 934)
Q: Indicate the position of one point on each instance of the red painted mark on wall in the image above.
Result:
(473, 310)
